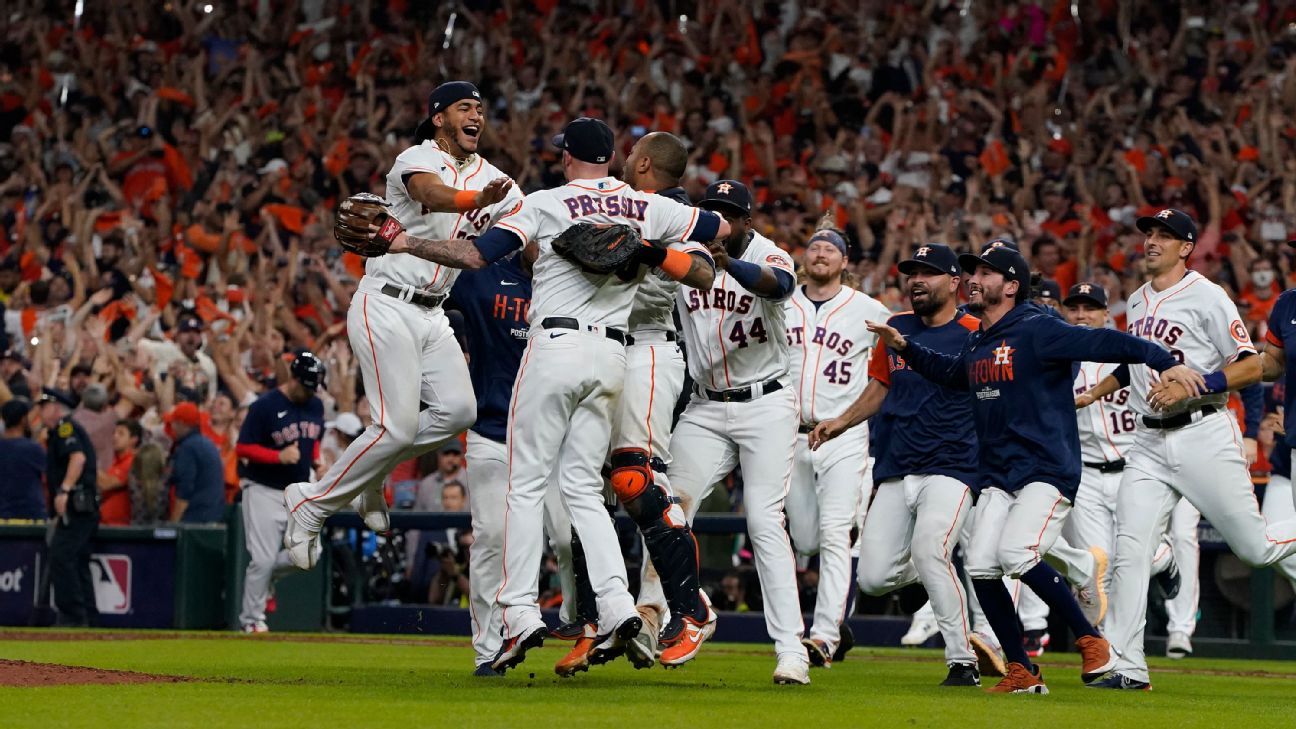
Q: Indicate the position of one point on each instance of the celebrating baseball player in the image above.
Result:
(573, 369)
(277, 446)
(830, 348)
(743, 412)
(1188, 446)
(439, 188)
(925, 445)
(1018, 369)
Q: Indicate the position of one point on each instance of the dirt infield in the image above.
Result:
(27, 674)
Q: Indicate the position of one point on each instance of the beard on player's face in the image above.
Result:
(928, 294)
(983, 295)
(462, 127)
(824, 263)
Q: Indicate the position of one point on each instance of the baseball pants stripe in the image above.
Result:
(264, 521)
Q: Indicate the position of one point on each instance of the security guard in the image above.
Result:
(71, 470)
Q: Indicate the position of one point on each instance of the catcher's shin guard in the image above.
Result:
(666, 533)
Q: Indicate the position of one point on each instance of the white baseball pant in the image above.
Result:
(559, 424)
(712, 438)
(1202, 462)
(1280, 505)
(488, 484)
(1181, 610)
(823, 503)
(264, 521)
(389, 338)
(653, 383)
(909, 533)
(1013, 530)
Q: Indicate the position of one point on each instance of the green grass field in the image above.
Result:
(361, 681)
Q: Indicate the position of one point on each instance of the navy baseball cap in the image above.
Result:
(587, 139)
(935, 256)
(439, 100)
(1003, 258)
(49, 394)
(828, 235)
(1091, 292)
(190, 323)
(729, 195)
(307, 369)
(1050, 289)
(1179, 223)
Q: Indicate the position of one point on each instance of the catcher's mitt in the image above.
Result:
(599, 249)
(352, 226)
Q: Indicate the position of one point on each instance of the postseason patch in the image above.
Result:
(64, 429)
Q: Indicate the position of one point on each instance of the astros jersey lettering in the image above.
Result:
(1197, 323)
(830, 348)
(1107, 426)
(561, 287)
(473, 175)
(723, 323)
(494, 301)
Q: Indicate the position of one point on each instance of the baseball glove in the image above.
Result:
(599, 249)
(356, 215)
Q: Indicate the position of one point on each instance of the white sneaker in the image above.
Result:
(1179, 645)
(303, 545)
(920, 631)
(1092, 596)
(792, 669)
(372, 506)
(256, 627)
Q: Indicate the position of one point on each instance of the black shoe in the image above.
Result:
(962, 674)
(1035, 641)
(568, 631)
(846, 642)
(1168, 581)
(514, 649)
(612, 644)
(485, 671)
(1120, 682)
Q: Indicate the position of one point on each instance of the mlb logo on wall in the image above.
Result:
(112, 583)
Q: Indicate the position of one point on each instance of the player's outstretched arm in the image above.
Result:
(1108, 385)
(943, 369)
(865, 406)
(1236, 375)
(1058, 340)
(432, 192)
(1273, 362)
(455, 253)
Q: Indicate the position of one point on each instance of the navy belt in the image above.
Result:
(567, 322)
(1177, 421)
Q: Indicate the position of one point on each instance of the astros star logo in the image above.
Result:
(1003, 354)
(1085, 288)
(922, 252)
(1165, 214)
(724, 188)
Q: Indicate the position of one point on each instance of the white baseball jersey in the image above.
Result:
(473, 174)
(830, 349)
(561, 288)
(1107, 426)
(1195, 321)
(654, 303)
(735, 338)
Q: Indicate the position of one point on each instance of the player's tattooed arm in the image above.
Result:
(701, 272)
(455, 253)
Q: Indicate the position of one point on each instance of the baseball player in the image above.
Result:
(1018, 369)
(278, 444)
(925, 444)
(743, 413)
(830, 349)
(572, 373)
(1188, 446)
(408, 356)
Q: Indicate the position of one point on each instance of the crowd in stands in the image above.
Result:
(168, 171)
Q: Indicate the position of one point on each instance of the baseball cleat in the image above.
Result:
(577, 659)
(681, 645)
(1120, 682)
(612, 644)
(568, 631)
(1098, 657)
(514, 649)
(303, 544)
(845, 644)
(792, 669)
(962, 674)
(1020, 680)
(1092, 596)
(1168, 581)
(1178, 645)
(820, 654)
(990, 658)
(1035, 641)
(258, 626)
(920, 631)
(372, 506)
(643, 649)
(485, 671)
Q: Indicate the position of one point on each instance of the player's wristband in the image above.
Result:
(746, 274)
(1216, 382)
(675, 264)
(465, 200)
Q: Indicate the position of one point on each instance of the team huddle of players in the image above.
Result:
(975, 436)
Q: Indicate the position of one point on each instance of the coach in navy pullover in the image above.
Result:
(1018, 370)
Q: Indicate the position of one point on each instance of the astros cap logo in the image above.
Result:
(1085, 288)
(922, 252)
(724, 188)
(1165, 214)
